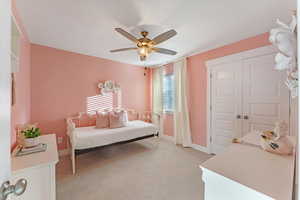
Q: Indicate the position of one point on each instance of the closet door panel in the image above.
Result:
(265, 96)
(226, 105)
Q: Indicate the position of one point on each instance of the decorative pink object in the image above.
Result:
(93, 119)
(84, 120)
(117, 119)
(102, 120)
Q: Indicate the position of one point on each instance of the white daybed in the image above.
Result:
(91, 137)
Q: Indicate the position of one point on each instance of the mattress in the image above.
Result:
(89, 137)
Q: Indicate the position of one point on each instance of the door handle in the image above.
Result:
(17, 189)
(238, 116)
(246, 117)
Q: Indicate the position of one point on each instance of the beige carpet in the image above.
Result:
(144, 170)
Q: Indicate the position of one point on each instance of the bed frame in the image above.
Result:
(144, 116)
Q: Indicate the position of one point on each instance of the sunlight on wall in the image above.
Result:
(100, 103)
(106, 101)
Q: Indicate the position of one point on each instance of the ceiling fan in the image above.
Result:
(144, 45)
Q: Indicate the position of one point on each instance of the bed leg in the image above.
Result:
(73, 160)
(156, 137)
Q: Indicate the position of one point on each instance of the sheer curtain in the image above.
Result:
(182, 130)
(157, 102)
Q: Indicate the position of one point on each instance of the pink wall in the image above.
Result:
(61, 81)
(21, 110)
(197, 81)
(196, 70)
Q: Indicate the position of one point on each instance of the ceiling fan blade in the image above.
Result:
(164, 36)
(123, 49)
(165, 51)
(127, 35)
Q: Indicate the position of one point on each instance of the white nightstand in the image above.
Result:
(248, 173)
(39, 170)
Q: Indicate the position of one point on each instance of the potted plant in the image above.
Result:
(31, 135)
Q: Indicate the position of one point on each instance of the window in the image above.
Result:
(168, 93)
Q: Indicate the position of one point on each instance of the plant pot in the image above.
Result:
(31, 142)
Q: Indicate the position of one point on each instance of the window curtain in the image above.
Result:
(182, 130)
(157, 99)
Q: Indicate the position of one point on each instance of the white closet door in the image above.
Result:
(225, 104)
(265, 96)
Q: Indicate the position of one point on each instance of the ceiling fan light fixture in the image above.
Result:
(143, 51)
(144, 45)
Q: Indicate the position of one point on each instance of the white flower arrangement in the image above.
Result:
(284, 38)
(108, 87)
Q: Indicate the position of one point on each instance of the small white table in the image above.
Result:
(39, 171)
(248, 173)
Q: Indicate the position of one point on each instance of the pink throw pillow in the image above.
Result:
(102, 120)
(92, 120)
(117, 119)
(85, 120)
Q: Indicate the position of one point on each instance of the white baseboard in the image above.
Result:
(167, 137)
(64, 152)
(200, 148)
(194, 146)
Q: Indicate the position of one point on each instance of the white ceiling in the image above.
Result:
(87, 26)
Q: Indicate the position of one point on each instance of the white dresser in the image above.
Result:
(248, 173)
(39, 170)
